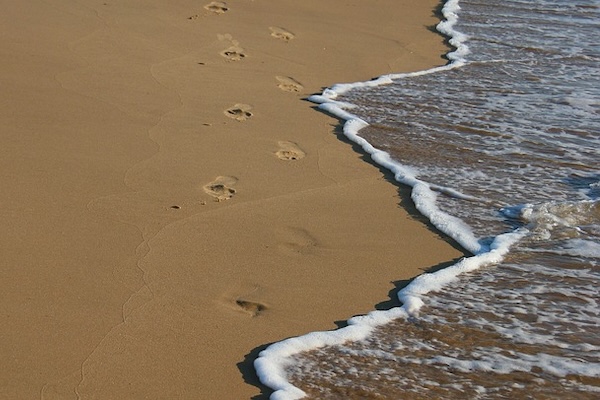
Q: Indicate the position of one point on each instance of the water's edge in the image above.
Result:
(271, 362)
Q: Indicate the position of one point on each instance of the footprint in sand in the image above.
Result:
(251, 307)
(239, 112)
(297, 241)
(246, 298)
(234, 52)
(281, 33)
(217, 7)
(288, 84)
(221, 188)
(289, 151)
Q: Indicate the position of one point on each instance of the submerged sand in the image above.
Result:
(170, 203)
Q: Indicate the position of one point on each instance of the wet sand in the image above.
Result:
(171, 203)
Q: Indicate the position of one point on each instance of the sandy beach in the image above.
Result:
(170, 201)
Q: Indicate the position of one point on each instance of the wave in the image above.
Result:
(272, 362)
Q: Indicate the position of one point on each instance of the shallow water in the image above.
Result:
(508, 141)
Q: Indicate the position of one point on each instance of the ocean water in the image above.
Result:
(502, 150)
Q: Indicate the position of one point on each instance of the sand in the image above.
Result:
(170, 201)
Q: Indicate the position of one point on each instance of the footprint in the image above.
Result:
(226, 37)
(288, 84)
(251, 307)
(239, 112)
(233, 53)
(245, 297)
(289, 151)
(297, 241)
(217, 7)
(221, 188)
(281, 33)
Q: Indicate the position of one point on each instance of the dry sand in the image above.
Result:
(170, 202)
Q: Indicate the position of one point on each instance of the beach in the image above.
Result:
(171, 202)
(500, 148)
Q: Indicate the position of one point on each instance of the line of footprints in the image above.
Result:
(222, 188)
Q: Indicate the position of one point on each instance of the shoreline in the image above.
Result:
(180, 204)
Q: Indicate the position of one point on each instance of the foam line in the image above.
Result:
(272, 362)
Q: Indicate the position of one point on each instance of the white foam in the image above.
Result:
(412, 295)
(582, 248)
(457, 59)
(272, 362)
(423, 193)
(499, 363)
(566, 217)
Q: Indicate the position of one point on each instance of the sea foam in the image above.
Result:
(272, 362)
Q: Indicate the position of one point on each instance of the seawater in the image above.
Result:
(502, 150)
